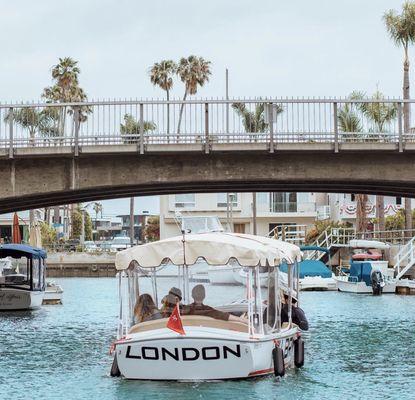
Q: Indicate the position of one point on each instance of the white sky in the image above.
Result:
(271, 47)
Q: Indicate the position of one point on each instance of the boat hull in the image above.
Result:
(222, 275)
(17, 299)
(361, 287)
(53, 295)
(199, 357)
(317, 283)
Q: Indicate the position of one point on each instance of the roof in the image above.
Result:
(215, 248)
(21, 250)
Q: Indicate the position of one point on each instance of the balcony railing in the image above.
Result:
(206, 123)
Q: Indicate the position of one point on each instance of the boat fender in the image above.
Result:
(114, 367)
(278, 358)
(299, 352)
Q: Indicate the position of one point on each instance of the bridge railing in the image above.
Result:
(206, 122)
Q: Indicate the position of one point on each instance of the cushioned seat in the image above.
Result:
(191, 320)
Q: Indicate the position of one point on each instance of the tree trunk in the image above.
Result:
(380, 212)
(181, 114)
(361, 216)
(406, 130)
(168, 116)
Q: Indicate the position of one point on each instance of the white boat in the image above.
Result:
(368, 273)
(53, 293)
(317, 283)
(22, 285)
(223, 274)
(211, 348)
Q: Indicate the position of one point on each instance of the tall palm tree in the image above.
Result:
(379, 114)
(401, 29)
(161, 74)
(66, 89)
(193, 72)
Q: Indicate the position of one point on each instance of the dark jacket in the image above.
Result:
(204, 310)
(297, 315)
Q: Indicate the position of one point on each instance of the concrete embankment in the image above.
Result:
(74, 264)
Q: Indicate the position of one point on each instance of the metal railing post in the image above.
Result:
(11, 151)
(207, 144)
(76, 132)
(271, 128)
(141, 145)
(336, 130)
(400, 131)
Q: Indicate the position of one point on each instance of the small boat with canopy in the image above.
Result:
(209, 348)
(22, 283)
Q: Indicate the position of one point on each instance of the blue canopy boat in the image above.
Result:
(22, 278)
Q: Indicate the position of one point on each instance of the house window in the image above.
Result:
(223, 199)
(283, 202)
(399, 201)
(184, 200)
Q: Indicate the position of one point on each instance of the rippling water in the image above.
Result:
(358, 346)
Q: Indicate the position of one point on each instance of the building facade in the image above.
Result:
(274, 210)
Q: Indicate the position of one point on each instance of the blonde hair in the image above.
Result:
(144, 308)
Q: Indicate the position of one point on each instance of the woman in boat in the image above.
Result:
(170, 300)
(145, 309)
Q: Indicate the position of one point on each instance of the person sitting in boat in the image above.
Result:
(170, 300)
(297, 314)
(198, 308)
(145, 309)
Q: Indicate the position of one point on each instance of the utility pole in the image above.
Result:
(227, 98)
(132, 221)
(254, 230)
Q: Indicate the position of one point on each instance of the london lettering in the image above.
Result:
(184, 353)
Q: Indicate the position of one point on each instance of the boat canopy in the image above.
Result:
(215, 248)
(310, 268)
(21, 250)
(314, 248)
(368, 244)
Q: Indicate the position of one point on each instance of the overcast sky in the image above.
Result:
(271, 47)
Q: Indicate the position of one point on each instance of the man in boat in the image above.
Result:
(297, 314)
(198, 308)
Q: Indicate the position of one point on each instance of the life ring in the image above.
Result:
(299, 353)
(94, 268)
(278, 358)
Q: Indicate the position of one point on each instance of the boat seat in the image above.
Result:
(191, 320)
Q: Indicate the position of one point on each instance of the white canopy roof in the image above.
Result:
(216, 248)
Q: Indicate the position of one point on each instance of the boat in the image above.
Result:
(209, 349)
(22, 282)
(223, 274)
(369, 272)
(53, 293)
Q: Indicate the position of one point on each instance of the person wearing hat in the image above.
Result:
(198, 308)
(297, 314)
(170, 300)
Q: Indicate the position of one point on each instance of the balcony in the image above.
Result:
(292, 207)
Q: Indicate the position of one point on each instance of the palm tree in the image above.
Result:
(131, 127)
(193, 72)
(97, 207)
(161, 74)
(401, 29)
(66, 89)
(254, 121)
(43, 122)
(379, 114)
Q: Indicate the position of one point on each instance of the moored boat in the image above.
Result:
(22, 285)
(53, 293)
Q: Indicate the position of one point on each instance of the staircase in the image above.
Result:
(406, 256)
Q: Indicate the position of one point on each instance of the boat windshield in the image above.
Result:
(25, 273)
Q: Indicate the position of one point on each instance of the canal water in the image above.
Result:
(358, 346)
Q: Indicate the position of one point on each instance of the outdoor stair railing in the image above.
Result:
(405, 256)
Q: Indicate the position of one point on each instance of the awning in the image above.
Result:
(215, 248)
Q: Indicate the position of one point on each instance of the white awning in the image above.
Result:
(216, 248)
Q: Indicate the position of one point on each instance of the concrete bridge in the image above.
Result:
(119, 149)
